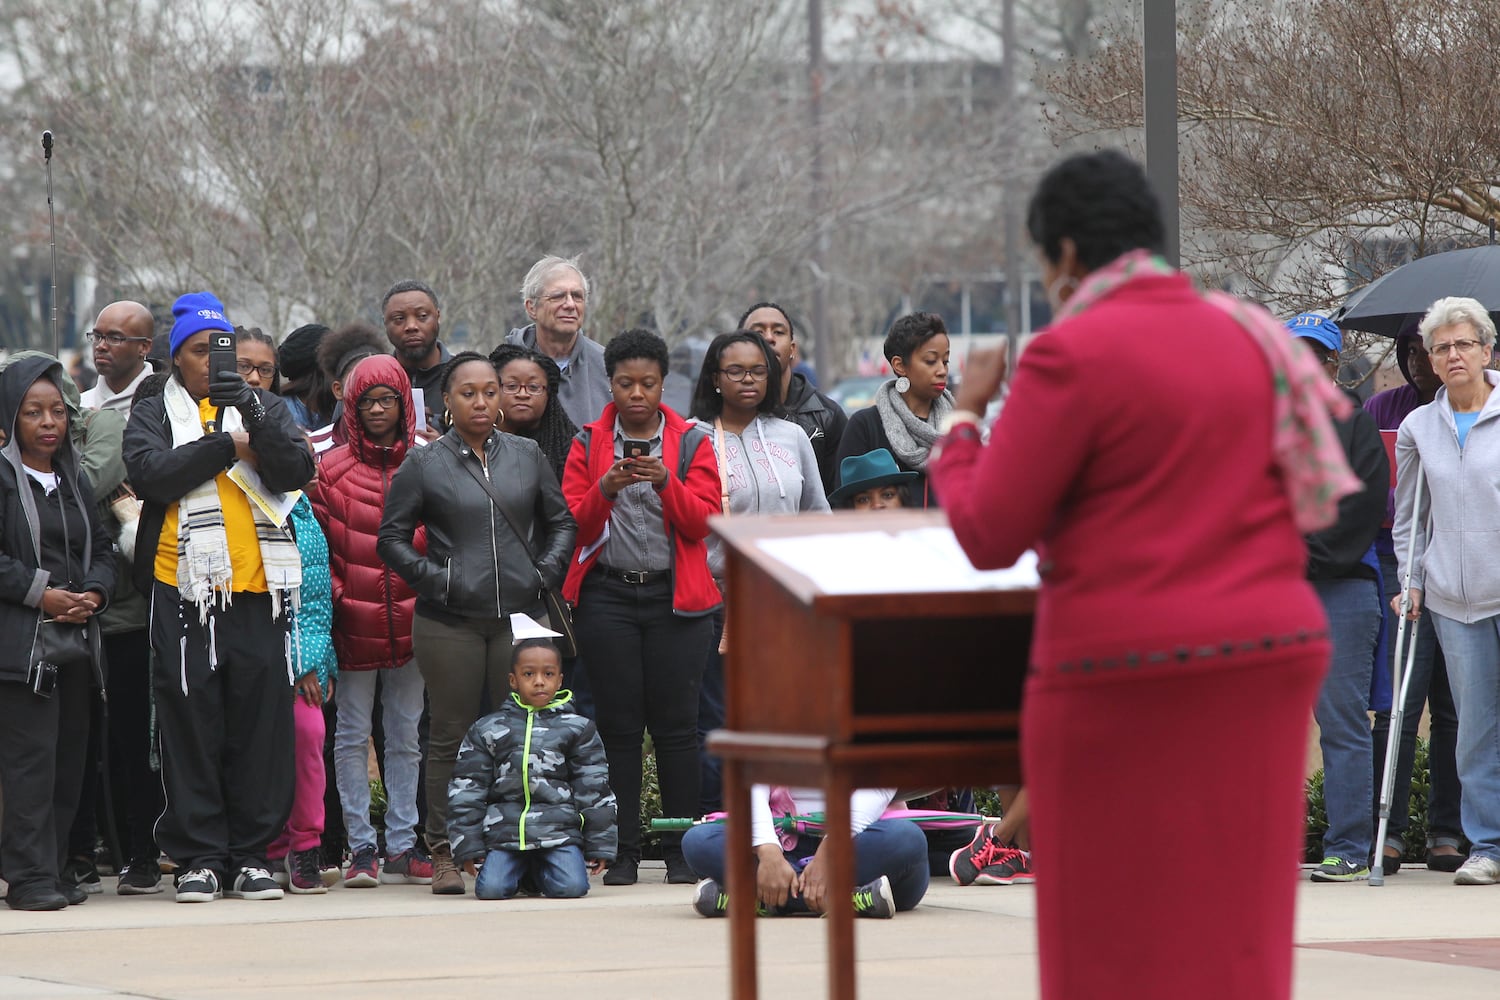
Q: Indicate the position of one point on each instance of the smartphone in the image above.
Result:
(636, 449)
(221, 356)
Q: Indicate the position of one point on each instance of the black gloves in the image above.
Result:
(230, 389)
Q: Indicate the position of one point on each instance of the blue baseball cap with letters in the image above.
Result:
(1317, 327)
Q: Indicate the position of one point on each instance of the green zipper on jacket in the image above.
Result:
(525, 769)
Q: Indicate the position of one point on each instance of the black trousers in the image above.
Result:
(135, 787)
(225, 729)
(645, 665)
(43, 746)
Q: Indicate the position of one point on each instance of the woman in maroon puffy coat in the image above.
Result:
(372, 611)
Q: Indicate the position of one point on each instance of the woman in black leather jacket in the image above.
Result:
(488, 557)
(56, 563)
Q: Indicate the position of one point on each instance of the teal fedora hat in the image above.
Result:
(858, 473)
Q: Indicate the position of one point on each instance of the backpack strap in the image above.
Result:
(688, 447)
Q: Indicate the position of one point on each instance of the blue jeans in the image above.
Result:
(1473, 654)
(559, 871)
(401, 703)
(1429, 686)
(1353, 610)
(894, 848)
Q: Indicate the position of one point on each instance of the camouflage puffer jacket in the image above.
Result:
(529, 778)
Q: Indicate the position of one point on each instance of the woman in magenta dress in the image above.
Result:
(1164, 451)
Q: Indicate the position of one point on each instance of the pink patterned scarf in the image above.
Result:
(1313, 466)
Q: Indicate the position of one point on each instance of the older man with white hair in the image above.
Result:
(555, 294)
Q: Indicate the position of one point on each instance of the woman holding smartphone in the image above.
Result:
(642, 484)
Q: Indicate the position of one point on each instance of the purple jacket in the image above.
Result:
(1389, 408)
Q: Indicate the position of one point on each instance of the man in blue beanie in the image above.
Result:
(223, 578)
(1344, 570)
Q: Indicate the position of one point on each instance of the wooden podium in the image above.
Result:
(848, 691)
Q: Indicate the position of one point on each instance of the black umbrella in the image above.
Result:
(1386, 304)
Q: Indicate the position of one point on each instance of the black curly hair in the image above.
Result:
(554, 433)
(1101, 201)
(909, 333)
(708, 404)
(631, 344)
(338, 351)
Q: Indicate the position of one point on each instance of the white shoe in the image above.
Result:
(1478, 870)
(254, 883)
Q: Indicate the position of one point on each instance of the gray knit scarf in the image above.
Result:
(911, 437)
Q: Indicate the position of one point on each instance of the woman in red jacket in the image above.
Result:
(641, 582)
(1166, 492)
(372, 622)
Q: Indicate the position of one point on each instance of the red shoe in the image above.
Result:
(966, 862)
(409, 867)
(364, 870)
(1009, 866)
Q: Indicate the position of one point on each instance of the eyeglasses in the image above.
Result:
(267, 371)
(115, 339)
(558, 298)
(368, 403)
(1461, 346)
(738, 373)
(529, 388)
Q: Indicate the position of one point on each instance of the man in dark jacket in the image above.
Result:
(222, 575)
(1342, 566)
(817, 414)
(412, 324)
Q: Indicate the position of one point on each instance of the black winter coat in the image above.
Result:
(162, 475)
(824, 421)
(476, 566)
(22, 582)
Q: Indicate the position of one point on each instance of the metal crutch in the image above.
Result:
(1400, 681)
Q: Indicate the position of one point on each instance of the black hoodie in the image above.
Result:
(22, 581)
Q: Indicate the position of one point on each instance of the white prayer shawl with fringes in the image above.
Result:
(205, 576)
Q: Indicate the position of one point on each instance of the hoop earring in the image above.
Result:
(447, 417)
(501, 422)
(903, 384)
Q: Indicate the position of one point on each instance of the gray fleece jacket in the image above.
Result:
(770, 469)
(1453, 562)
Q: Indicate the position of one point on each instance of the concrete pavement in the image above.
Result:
(1355, 941)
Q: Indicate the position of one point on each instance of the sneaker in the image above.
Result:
(710, 900)
(140, 878)
(364, 870)
(303, 876)
(875, 900)
(447, 880)
(966, 863)
(1339, 870)
(410, 867)
(1478, 870)
(200, 885)
(254, 883)
(74, 894)
(331, 865)
(1007, 866)
(82, 873)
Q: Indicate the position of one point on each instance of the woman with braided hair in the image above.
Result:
(529, 383)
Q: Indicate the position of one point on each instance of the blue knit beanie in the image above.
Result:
(195, 312)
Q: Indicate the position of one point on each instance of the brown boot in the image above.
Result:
(447, 880)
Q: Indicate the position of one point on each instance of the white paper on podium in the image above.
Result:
(879, 562)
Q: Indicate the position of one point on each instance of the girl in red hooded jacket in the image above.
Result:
(372, 622)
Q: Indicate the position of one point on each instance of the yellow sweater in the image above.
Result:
(239, 526)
